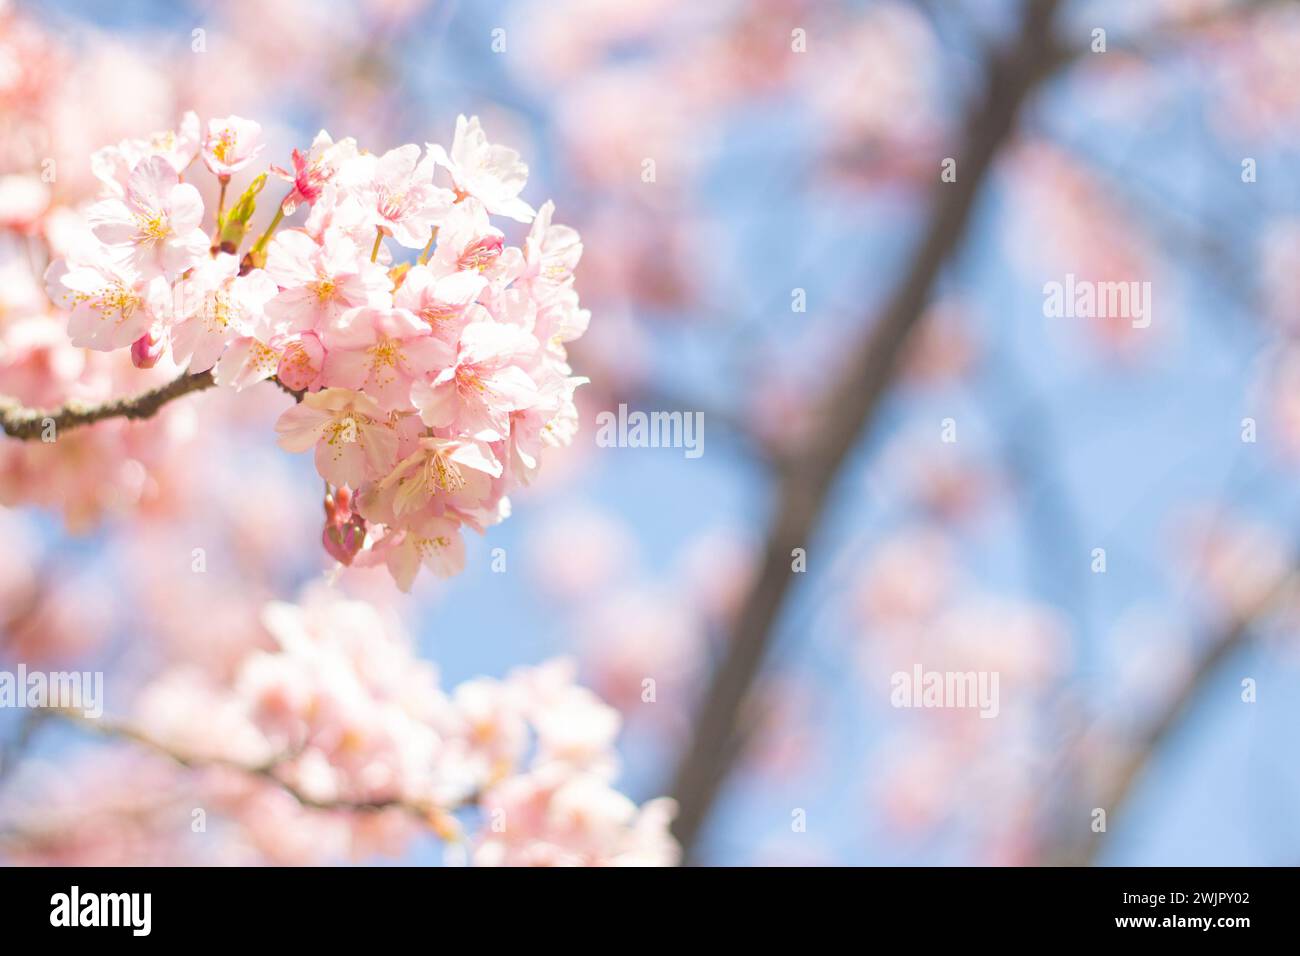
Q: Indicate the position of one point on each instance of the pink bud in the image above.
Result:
(343, 541)
(343, 501)
(146, 351)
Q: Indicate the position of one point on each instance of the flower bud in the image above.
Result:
(146, 351)
(235, 223)
(343, 502)
(342, 540)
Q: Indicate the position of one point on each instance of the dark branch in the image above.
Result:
(850, 405)
(25, 423)
(18, 421)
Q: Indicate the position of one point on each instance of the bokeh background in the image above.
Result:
(797, 149)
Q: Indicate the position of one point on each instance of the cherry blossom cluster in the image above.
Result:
(310, 730)
(426, 388)
(518, 770)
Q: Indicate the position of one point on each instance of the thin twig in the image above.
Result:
(1118, 788)
(267, 771)
(1171, 37)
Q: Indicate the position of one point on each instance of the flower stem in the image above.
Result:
(221, 201)
(270, 231)
(433, 237)
(221, 212)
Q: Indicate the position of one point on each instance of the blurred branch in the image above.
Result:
(1207, 243)
(806, 480)
(268, 771)
(51, 829)
(1115, 792)
(1168, 36)
(11, 752)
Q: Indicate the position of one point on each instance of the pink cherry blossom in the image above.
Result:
(159, 219)
(494, 175)
(339, 212)
(477, 393)
(314, 169)
(561, 319)
(112, 165)
(349, 431)
(548, 422)
(440, 473)
(551, 252)
(429, 389)
(381, 352)
(301, 362)
(575, 728)
(401, 198)
(433, 543)
(318, 283)
(562, 820)
(111, 301)
(440, 297)
(218, 306)
(231, 144)
(468, 242)
(178, 147)
(253, 357)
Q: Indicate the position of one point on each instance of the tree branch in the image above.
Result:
(18, 421)
(268, 771)
(1168, 37)
(1115, 793)
(805, 483)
